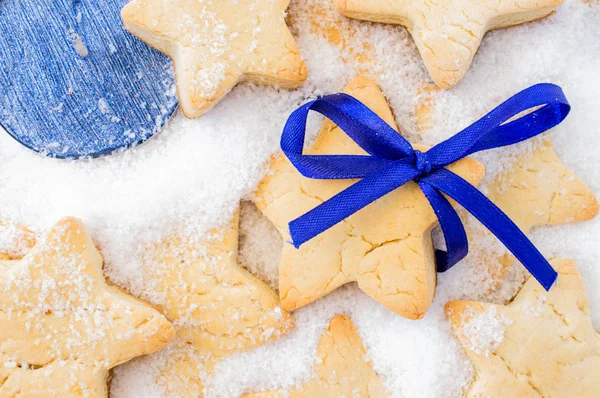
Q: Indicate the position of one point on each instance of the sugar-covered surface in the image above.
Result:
(484, 331)
(192, 176)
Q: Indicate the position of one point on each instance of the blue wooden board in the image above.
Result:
(62, 102)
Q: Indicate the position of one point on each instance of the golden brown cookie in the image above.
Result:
(535, 189)
(342, 369)
(215, 44)
(62, 327)
(217, 307)
(448, 33)
(385, 247)
(541, 344)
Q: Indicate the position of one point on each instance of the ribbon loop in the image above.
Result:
(497, 129)
(392, 162)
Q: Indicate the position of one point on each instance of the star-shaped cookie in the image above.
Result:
(342, 369)
(535, 189)
(541, 344)
(385, 247)
(61, 326)
(215, 44)
(448, 33)
(217, 307)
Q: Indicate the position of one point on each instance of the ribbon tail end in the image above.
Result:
(294, 243)
(550, 282)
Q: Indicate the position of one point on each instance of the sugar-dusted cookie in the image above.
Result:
(217, 307)
(215, 44)
(342, 369)
(546, 191)
(386, 247)
(535, 189)
(448, 33)
(15, 240)
(541, 344)
(62, 327)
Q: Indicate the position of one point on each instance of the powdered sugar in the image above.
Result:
(192, 175)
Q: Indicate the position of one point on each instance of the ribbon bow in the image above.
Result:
(392, 162)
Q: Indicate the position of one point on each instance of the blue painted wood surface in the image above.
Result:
(74, 83)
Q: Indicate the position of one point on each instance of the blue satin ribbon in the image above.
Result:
(392, 162)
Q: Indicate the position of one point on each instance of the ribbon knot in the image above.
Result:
(422, 163)
(392, 162)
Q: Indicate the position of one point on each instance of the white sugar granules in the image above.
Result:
(534, 308)
(208, 79)
(15, 241)
(260, 245)
(192, 175)
(484, 331)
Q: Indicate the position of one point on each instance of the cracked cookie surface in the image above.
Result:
(216, 306)
(61, 326)
(385, 247)
(342, 369)
(536, 189)
(542, 344)
(448, 33)
(215, 44)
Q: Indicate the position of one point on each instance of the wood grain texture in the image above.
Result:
(74, 83)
